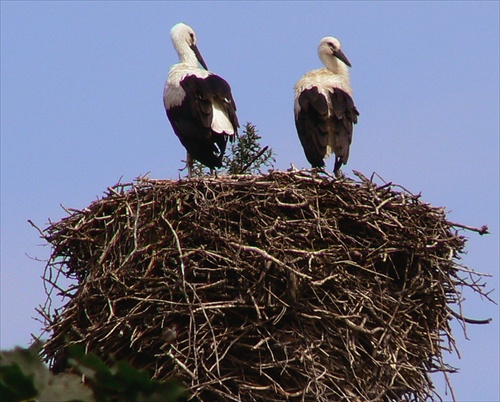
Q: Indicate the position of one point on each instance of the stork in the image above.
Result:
(199, 104)
(324, 108)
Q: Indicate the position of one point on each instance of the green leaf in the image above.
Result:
(24, 377)
(122, 381)
(24, 366)
(246, 154)
(15, 385)
(88, 364)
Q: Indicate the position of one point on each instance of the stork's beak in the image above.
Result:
(199, 57)
(339, 54)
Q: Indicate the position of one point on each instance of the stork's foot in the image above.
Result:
(186, 166)
(336, 169)
(189, 163)
(339, 174)
(317, 170)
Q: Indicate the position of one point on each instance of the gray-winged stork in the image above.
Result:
(199, 104)
(324, 109)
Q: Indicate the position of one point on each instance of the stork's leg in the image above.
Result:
(190, 164)
(336, 169)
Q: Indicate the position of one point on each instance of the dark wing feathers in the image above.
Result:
(198, 102)
(346, 115)
(192, 120)
(223, 96)
(313, 124)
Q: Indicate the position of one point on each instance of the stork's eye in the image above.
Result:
(191, 35)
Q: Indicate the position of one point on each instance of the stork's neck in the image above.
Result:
(186, 54)
(335, 65)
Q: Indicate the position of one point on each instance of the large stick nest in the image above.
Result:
(287, 286)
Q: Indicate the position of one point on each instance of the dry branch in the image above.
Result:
(287, 286)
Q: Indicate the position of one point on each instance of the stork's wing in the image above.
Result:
(343, 117)
(222, 95)
(311, 122)
(192, 119)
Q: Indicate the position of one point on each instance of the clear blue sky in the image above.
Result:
(81, 107)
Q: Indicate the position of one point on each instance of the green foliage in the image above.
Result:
(244, 155)
(24, 377)
(122, 382)
(16, 384)
(199, 169)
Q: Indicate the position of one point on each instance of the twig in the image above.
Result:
(249, 164)
(483, 230)
(468, 320)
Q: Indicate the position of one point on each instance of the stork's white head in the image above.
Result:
(184, 40)
(331, 54)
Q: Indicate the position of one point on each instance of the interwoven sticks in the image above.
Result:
(287, 286)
